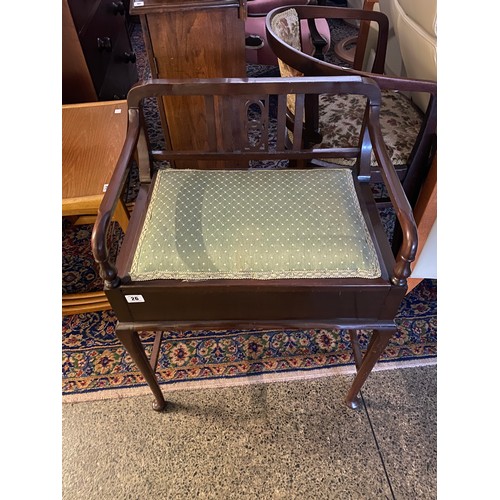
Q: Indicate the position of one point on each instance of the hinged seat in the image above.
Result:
(255, 224)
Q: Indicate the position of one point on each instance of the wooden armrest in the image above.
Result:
(311, 12)
(111, 197)
(404, 214)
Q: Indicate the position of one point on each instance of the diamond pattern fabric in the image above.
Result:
(257, 224)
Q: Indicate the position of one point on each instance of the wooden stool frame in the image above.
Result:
(347, 303)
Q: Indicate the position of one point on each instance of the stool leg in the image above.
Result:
(130, 340)
(376, 346)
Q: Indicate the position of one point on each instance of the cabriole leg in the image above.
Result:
(377, 345)
(130, 340)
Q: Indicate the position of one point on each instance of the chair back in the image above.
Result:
(247, 119)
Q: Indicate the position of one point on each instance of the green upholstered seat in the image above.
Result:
(259, 224)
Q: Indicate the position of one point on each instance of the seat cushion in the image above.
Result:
(341, 117)
(257, 224)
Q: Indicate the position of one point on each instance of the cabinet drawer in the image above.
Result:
(99, 40)
(121, 73)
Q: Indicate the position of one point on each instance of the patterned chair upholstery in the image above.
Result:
(257, 51)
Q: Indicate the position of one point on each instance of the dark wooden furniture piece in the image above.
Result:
(191, 39)
(352, 49)
(92, 139)
(174, 206)
(315, 35)
(98, 62)
(414, 170)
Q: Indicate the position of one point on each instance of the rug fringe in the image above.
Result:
(127, 392)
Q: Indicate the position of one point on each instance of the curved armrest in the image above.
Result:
(108, 205)
(310, 66)
(312, 12)
(404, 213)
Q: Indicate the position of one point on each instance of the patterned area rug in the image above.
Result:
(94, 360)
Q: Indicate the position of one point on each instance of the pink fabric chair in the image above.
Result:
(257, 49)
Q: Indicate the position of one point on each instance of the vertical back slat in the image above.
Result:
(211, 125)
(265, 123)
(239, 109)
(281, 129)
(298, 123)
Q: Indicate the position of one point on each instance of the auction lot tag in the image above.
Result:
(134, 298)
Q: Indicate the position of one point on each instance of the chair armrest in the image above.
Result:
(108, 205)
(312, 12)
(404, 214)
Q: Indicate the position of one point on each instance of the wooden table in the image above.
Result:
(92, 138)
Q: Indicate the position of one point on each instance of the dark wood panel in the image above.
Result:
(100, 40)
(82, 12)
(96, 45)
(77, 85)
(121, 70)
(205, 43)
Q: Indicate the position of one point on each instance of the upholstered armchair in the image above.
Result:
(412, 40)
(409, 133)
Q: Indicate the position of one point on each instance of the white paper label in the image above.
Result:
(134, 298)
(118, 111)
(138, 4)
(105, 187)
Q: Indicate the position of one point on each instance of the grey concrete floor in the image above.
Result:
(285, 440)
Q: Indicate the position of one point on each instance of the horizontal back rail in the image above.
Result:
(254, 86)
(246, 119)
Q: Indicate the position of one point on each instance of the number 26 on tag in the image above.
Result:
(131, 299)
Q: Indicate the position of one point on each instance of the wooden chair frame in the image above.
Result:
(347, 303)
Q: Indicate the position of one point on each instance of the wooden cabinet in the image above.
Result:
(98, 60)
(191, 39)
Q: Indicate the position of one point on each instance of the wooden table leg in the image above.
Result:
(78, 303)
(122, 216)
